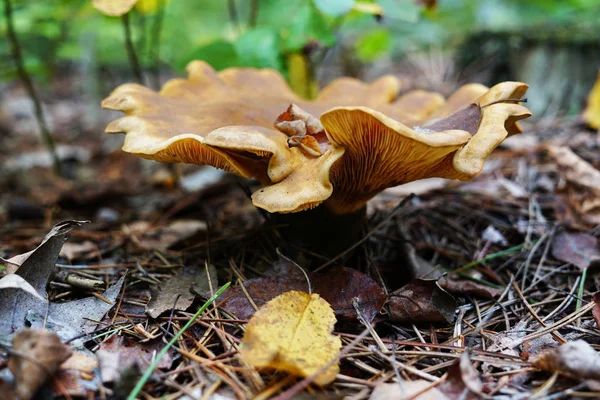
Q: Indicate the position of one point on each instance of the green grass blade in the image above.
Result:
(148, 373)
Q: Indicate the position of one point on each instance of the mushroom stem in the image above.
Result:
(321, 232)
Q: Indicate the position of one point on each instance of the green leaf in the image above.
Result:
(259, 48)
(373, 45)
(335, 8)
(307, 25)
(402, 10)
(220, 54)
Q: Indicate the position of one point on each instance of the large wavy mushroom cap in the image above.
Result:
(249, 122)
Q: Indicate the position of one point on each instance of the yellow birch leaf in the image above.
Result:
(292, 333)
(591, 114)
(114, 8)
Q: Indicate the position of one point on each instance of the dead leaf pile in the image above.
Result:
(577, 360)
(338, 286)
(292, 333)
(582, 184)
(35, 356)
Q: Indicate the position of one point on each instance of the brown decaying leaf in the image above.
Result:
(422, 300)
(76, 375)
(181, 287)
(19, 309)
(119, 353)
(463, 380)
(596, 309)
(114, 8)
(48, 352)
(579, 249)
(407, 390)
(465, 286)
(577, 360)
(7, 390)
(467, 119)
(292, 333)
(338, 286)
(583, 183)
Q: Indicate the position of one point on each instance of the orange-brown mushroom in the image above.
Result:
(353, 141)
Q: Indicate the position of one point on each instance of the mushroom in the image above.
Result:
(332, 154)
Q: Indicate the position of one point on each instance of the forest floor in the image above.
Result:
(488, 285)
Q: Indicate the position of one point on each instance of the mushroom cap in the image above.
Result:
(230, 120)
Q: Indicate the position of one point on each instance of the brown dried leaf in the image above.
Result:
(463, 380)
(465, 286)
(579, 249)
(181, 287)
(44, 353)
(467, 119)
(7, 390)
(407, 390)
(422, 300)
(119, 353)
(338, 286)
(75, 374)
(596, 309)
(577, 360)
(583, 183)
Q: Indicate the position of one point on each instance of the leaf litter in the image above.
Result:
(498, 230)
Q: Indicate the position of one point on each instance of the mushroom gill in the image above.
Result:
(366, 139)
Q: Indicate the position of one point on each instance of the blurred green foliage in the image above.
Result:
(53, 32)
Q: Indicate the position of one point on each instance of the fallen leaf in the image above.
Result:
(466, 286)
(579, 249)
(7, 390)
(596, 309)
(44, 353)
(583, 183)
(338, 286)
(77, 375)
(16, 282)
(179, 288)
(118, 354)
(577, 360)
(422, 300)
(19, 309)
(463, 380)
(114, 8)
(164, 237)
(407, 390)
(292, 333)
(72, 251)
(591, 114)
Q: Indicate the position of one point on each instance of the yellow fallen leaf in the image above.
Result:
(292, 333)
(114, 8)
(591, 114)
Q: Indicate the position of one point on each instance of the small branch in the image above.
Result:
(155, 44)
(133, 59)
(253, 13)
(26, 80)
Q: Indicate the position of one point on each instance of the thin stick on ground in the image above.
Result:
(26, 80)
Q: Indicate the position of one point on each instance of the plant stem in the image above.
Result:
(133, 59)
(155, 44)
(24, 76)
(233, 15)
(148, 373)
(253, 13)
